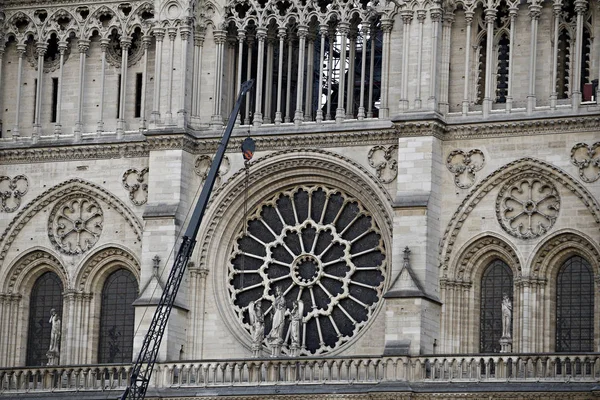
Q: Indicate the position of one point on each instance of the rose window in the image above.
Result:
(75, 224)
(527, 206)
(319, 246)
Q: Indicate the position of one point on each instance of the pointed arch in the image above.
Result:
(99, 265)
(26, 269)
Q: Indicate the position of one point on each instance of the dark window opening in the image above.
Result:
(35, 84)
(54, 99)
(496, 282)
(138, 94)
(502, 77)
(119, 96)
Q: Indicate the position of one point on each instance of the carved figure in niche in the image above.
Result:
(506, 316)
(295, 324)
(257, 324)
(275, 338)
(55, 333)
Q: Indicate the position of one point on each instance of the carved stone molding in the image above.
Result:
(498, 177)
(482, 247)
(36, 257)
(527, 206)
(464, 165)
(136, 183)
(11, 191)
(101, 258)
(202, 167)
(587, 159)
(544, 260)
(75, 224)
(70, 187)
(385, 161)
(51, 64)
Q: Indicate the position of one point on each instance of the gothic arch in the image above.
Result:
(61, 190)
(497, 178)
(97, 266)
(23, 272)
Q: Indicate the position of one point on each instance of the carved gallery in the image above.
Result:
(415, 213)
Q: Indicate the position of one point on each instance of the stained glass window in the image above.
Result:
(45, 296)
(575, 306)
(496, 282)
(117, 318)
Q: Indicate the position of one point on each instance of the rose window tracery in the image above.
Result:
(75, 224)
(318, 245)
(527, 206)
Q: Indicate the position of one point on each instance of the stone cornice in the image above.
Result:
(8, 4)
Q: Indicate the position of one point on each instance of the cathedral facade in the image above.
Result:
(421, 217)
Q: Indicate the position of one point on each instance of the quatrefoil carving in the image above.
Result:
(11, 191)
(136, 183)
(587, 159)
(202, 167)
(464, 165)
(385, 161)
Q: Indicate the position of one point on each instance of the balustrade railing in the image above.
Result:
(312, 371)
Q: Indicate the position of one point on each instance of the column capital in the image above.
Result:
(261, 34)
(104, 42)
(146, 41)
(490, 15)
(41, 48)
(125, 42)
(241, 34)
(172, 32)
(220, 36)
(436, 14)
(21, 49)
(469, 14)
(422, 14)
(281, 33)
(407, 16)
(303, 30)
(83, 45)
(448, 19)
(159, 33)
(387, 25)
(185, 32)
(199, 38)
(62, 46)
(535, 11)
(324, 29)
(580, 6)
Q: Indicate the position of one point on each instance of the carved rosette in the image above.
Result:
(318, 245)
(527, 206)
(202, 167)
(385, 161)
(464, 165)
(75, 224)
(11, 191)
(587, 159)
(136, 183)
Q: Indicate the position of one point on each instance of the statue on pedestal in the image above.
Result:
(506, 339)
(295, 324)
(53, 352)
(257, 325)
(275, 337)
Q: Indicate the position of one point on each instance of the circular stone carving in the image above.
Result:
(527, 206)
(318, 245)
(75, 224)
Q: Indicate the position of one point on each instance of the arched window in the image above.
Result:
(497, 281)
(45, 295)
(117, 317)
(575, 306)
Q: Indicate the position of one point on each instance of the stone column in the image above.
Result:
(436, 19)
(310, 66)
(299, 115)
(2, 85)
(83, 46)
(198, 47)
(41, 48)
(580, 7)
(196, 337)
(21, 48)
(332, 39)
(104, 42)
(407, 16)
(465, 103)
(281, 36)
(159, 34)
(534, 14)
(271, 40)
(146, 41)
(512, 12)
(250, 42)
(238, 80)
(556, 11)
(172, 32)
(447, 22)
(340, 112)
(421, 14)
(371, 75)
(184, 32)
(288, 97)
(490, 19)
(217, 118)
(386, 27)
(125, 45)
(62, 47)
(363, 61)
(351, 71)
(261, 35)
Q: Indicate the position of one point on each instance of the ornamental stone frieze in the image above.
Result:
(136, 183)
(11, 191)
(464, 165)
(75, 224)
(385, 161)
(587, 159)
(202, 167)
(527, 206)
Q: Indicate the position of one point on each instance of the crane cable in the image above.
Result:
(248, 148)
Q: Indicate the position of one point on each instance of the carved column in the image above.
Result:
(351, 71)
(196, 337)
(198, 47)
(310, 66)
(21, 48)
(70, 321)
(271, 40)
(465, 103)
(261, 35)
(436, 19)
(302, 33)
(172, 32)
(319, 112)
(580, 7)
(332, 39)
(240, 57)
(363, 61)
(159, 34)
(340, 112)
(421, 14)
(447, 22)
(407, 16)
(490, 18)
(146, 41)
(386, 27)
(288, 97)
(2, 87)
(250, 46)
(281, 36)
(184, 32)
(37, 124)
(231, 72)
(83, 46)
(534, 14)
(103, 46)
(217, 118)
(556, 11)
(371, 75)
(4, 320)
(512, 12)
(62, 47)
(125, 45)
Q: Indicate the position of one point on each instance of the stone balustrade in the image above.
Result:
(531, 368)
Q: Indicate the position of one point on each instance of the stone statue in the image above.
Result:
(295, 324)
(53, 352)
(275, 338)
(257, 325)
(506, 316)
